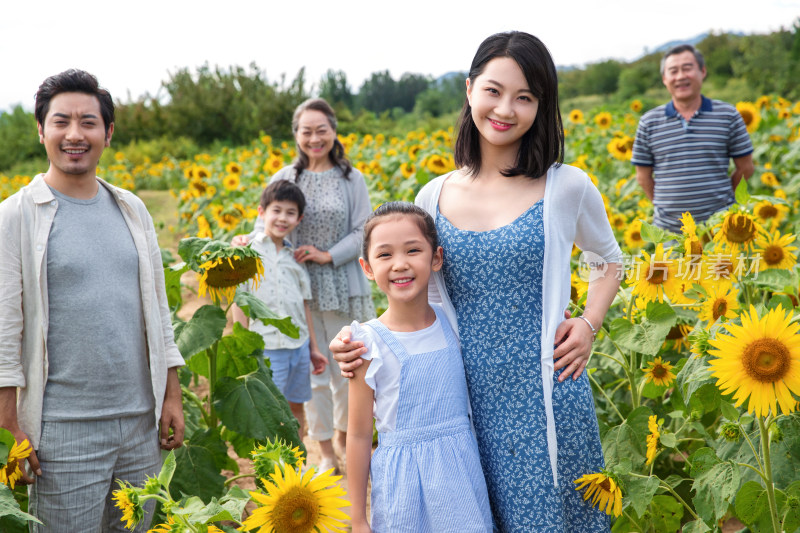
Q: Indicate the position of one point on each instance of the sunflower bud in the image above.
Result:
(730, 431)
(278, 453)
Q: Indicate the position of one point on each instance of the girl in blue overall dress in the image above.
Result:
(426, 472)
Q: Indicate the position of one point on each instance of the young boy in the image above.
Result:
(286, 290)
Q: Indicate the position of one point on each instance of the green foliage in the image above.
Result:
(18, 137)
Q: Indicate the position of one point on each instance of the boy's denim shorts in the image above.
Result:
(291, 372)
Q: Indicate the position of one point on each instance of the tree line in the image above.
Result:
(232, 106)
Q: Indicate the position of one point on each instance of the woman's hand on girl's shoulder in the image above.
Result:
(346, 352)
(573, 348)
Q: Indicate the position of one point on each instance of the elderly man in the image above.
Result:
(88, 362)
(683, 148)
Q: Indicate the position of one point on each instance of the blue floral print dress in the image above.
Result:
(494, 279)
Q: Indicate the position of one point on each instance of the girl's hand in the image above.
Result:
(307, 252)
(347, 354)
(573, 347)
(240, 240)
(318, 361)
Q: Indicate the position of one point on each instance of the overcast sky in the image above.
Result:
(133, 46)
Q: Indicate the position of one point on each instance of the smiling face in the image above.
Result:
(74, 135)
(503, 106)
(315, 136)
(401, 260)
(280, 218)
(683, 77)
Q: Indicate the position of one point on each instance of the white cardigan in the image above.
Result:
(573, 213)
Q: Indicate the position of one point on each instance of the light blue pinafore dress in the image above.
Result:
(426, 474)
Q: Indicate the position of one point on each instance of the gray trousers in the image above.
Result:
(81, 461)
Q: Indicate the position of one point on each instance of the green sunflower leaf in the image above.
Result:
(751, 502)
(666, 513)
(201, 332)
(196, 473)
(640, 492)
(253, 406)
(254, 308)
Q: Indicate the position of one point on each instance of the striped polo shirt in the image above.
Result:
(690, 159)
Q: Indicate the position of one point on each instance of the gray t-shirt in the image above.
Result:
(96, 346)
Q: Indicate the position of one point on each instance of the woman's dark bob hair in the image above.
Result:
(543, 144)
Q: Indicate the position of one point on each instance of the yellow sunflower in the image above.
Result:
(233, 168)
(578, 287)
(633, 235)
(636, 106)
(759, 360)
(221, 276)
(679, 335)
(774, 251)
(576, 116)
(128, 501)
(784, 114)
(722, 301)
(750, 115)
(658, 372)
(770, 214)
(231, 182)
(770, 179)
(604, 490)
(438, 165)
(721, 265)
(655, 277)
(203, 228)
(603, 120)
(298, 503)
(621, 147)
(652, 438)
(737, 231)
(12, 471)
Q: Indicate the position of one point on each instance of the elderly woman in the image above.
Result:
(327, 241)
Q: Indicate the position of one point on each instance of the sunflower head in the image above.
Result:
(738, 231)
(127, 500)
(653, 424)
(220, 266)
(298, 503)
(11, 472)
(655, 276)
(576, 116)
(759, 360)
(603, 120)
(750, 115)
(721, 302)
(659, 372)
(604, 489)
(775, 251)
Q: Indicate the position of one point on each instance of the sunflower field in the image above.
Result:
(695, 373)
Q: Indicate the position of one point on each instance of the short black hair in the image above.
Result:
(283, 191)
(679, 49)
(543, 144)
(73, 81)
(390, 209)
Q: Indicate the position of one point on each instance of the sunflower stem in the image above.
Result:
(607, 356)
(688, 508)
(773, 507)
(211, 353)
(609, 400)
(752, 448)
(634, 522)
(234, 478)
